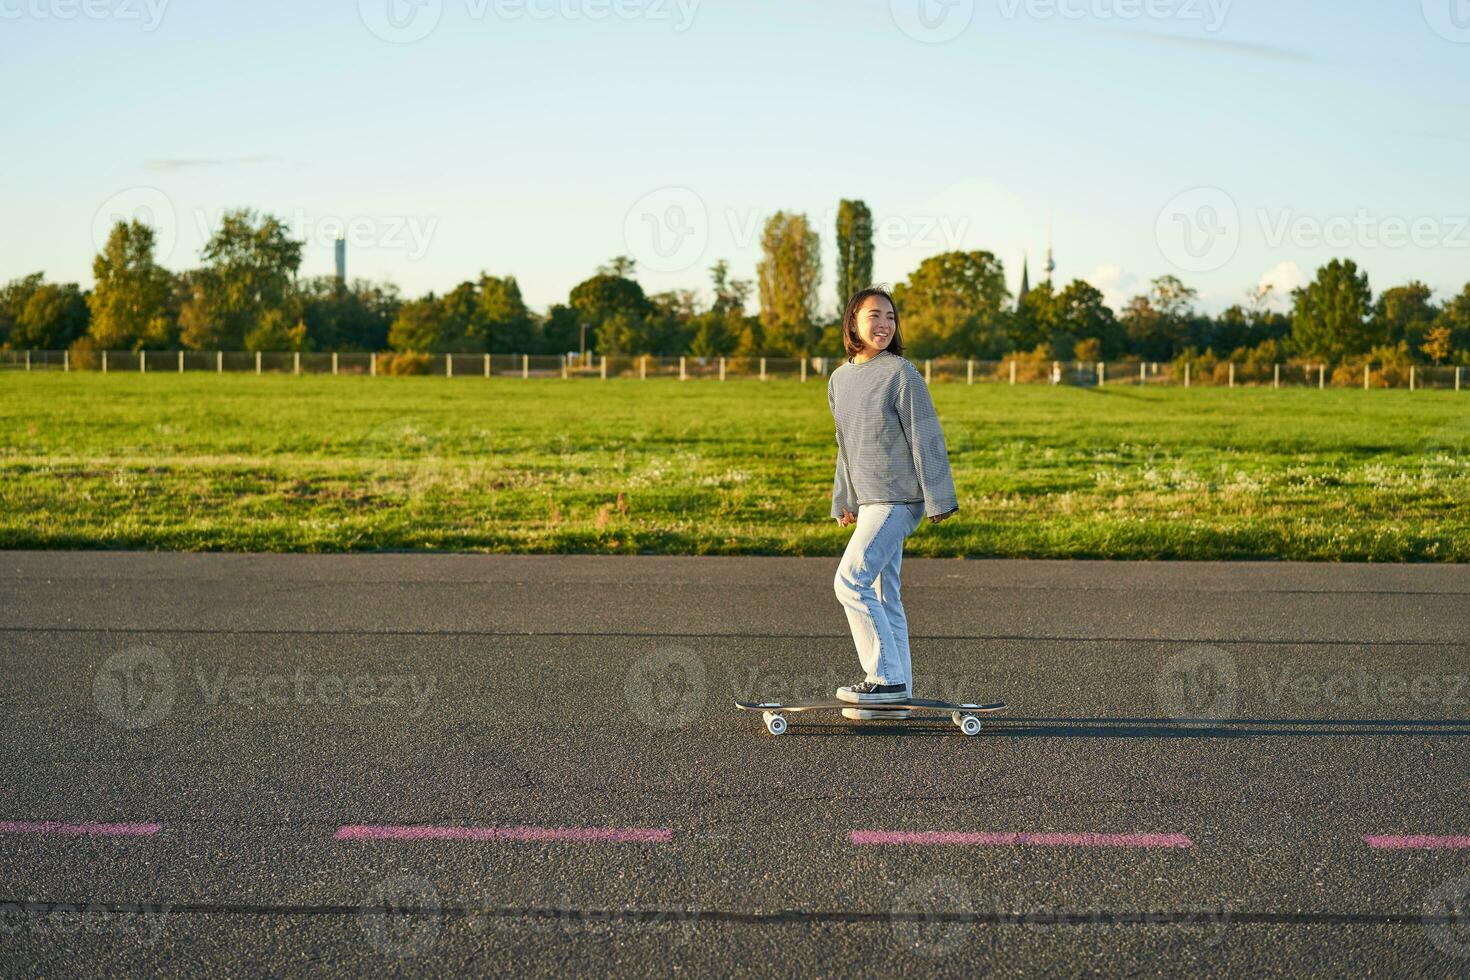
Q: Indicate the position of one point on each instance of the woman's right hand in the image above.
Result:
(848, 517)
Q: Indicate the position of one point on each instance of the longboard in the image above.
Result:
(965, 715)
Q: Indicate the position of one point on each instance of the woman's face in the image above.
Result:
(876, 323)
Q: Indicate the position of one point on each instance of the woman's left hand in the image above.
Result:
(939, 517)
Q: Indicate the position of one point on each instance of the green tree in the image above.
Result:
(250, 268)
(605, 296)
(789, 272)
(54, 316)
(276, 332)
(129, 302)
(339, 317)
(503, 324)
(1079, 312)
(1330, 314)
(1454, 317)
(1404, 313)
(955, 304)
(417, 324)
(854, 250)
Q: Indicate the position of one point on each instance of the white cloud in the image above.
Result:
(1117, 286)
(1282, 279)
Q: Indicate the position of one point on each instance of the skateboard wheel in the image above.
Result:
(957, 717)
(969, 724)
(775, 724)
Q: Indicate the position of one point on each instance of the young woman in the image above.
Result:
(892, 471)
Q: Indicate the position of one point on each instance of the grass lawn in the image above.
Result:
(281, 463)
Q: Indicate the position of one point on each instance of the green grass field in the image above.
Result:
(280, 463)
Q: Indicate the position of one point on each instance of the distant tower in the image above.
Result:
(341, 244)
(1050, 265)
(1025, 283)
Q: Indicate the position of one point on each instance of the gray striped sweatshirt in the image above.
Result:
(890, 447)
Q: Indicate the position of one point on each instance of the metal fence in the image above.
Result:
(1099, 374)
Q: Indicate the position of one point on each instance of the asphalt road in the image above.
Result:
(434, 764)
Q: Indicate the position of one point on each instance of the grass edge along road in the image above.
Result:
(323, 464)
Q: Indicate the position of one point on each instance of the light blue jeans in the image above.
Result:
(867, 586)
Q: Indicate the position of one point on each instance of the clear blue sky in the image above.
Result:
(540, 137)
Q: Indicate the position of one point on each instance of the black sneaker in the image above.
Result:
(869, 693)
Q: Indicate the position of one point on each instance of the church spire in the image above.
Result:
(1025, 283)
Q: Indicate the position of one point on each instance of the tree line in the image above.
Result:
(246, 295)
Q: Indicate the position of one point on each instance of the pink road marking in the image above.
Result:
(1398, 842)
(1009, 838)
(79, 829)
(601, 835)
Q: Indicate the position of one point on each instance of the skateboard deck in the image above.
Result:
(965, 715)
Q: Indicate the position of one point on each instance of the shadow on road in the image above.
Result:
(1151, 727)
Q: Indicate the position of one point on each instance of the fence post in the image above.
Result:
(763, 369)
(1186, 374)
(1321, 376)
(104, 362)
(525, 366)
(448, 365)
(969, 371)
(722, 367)
(1276, 376)
(642, 367)
(1232, 374)
(66, 367)
(1365, 375)
(487, 365)
(28, 360)
(296, 362)
(334, 363)
(563, 366)
(181, 362)
(604, 367)
(142, 362)
(1142, 377)
(257, 362)
(927, 363)
(219, 362)
(373, 364)
(1411, 377)
(1102, 373)
(1013, 370)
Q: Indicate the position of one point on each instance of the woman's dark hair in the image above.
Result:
(851, 342)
